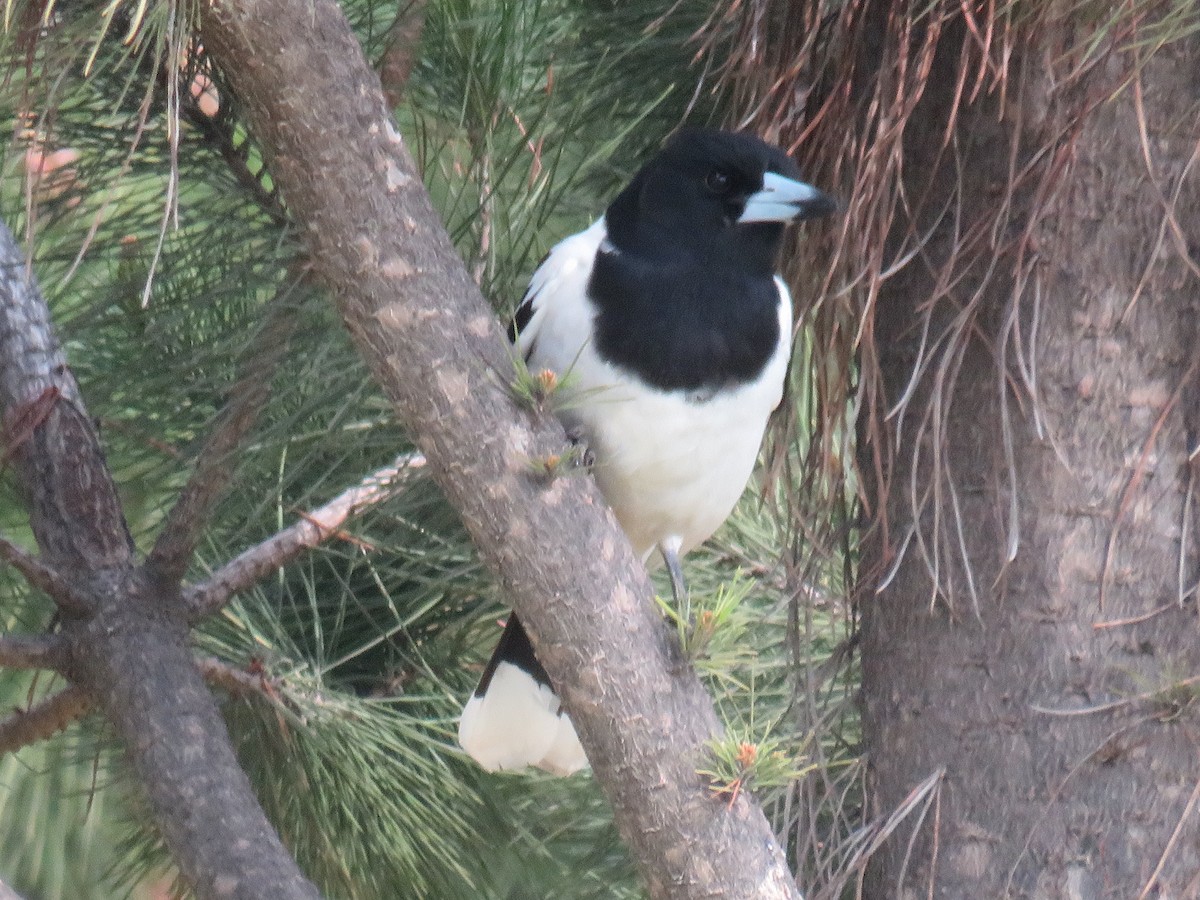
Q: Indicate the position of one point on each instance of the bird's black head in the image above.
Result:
(713, 194)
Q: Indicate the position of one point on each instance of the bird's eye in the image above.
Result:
(717, 181)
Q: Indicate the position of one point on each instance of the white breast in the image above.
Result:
(670, 465)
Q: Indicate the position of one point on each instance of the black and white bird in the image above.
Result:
(676, 331)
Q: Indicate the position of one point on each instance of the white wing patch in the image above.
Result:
(561, 280)
(778, 366)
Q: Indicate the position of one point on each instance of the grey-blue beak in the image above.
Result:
(783, 199)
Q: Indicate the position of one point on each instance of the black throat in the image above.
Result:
(681, 322)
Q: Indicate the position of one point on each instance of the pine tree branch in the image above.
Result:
(438, 352)
(42, 577)
(45, 719)
(239, 681)
(214, 467)
(130, 651)
(236, 681)
(310, 530)
(32, 651)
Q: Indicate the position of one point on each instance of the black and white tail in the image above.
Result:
(514, 718)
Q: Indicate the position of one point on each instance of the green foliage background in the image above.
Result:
(525, 115)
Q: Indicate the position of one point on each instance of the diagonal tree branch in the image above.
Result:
(438, 352)
(214, 467)
(45, 719)
(28, 651)
(310, 530)
(42, 577)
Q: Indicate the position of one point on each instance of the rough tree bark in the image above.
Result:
(439, 354)
(1062, 710)
(124, 630)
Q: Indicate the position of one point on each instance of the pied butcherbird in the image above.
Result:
(676, 331)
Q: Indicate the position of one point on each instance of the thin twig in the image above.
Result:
(220, 132)
(236, 680)
(42, 576)
(46, 719)
(1132, 620)
(308, 531)
(1116, 704)
(31, 651)
(214, 467)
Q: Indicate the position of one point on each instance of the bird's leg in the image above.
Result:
(669, 548)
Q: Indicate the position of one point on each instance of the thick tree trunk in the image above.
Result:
(439, 355)
(1055, 691)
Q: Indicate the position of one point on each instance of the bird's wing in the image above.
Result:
(562, 277)
(786, 331)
